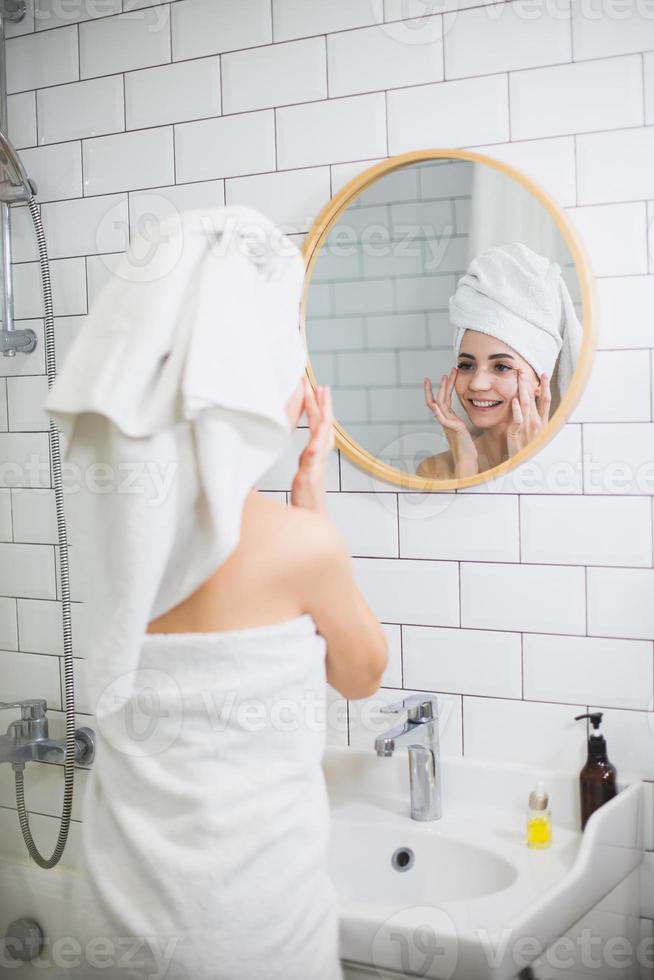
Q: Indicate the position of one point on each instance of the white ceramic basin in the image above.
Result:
(428, 868)
(476, 903)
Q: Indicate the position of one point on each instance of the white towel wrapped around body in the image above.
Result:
(223, 876)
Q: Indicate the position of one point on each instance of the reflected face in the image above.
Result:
(487, 378)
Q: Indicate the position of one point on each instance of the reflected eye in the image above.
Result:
(505, 367)
(463, 366)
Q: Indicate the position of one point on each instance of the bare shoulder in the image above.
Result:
(295, 532)
(440, 466)
(307, 557)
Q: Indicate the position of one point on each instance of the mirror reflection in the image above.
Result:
(444, 310)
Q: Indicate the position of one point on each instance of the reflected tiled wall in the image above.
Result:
(524, 600)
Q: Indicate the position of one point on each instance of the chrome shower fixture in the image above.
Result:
(15, 186)
(13, 9)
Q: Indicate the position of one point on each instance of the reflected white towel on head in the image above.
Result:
(512, 293)
(177, 382)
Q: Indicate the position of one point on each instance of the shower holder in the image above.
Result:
(13, 10)
(21, 341)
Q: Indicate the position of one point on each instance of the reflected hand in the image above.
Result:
(462, 447)
(308, 487)
(528, 418)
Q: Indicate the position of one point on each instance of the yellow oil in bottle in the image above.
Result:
(539, 832)
(539, 819)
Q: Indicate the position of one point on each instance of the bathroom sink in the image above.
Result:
(399, 865)
(463, 898)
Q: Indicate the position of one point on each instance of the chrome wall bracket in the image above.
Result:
(13, 10)
(11, 341)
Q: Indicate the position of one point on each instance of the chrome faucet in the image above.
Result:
(27, 739)
(420, 734)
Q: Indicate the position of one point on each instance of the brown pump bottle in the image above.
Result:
(597, 780)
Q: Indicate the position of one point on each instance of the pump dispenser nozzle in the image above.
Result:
(595, 718)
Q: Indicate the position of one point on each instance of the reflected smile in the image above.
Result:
(483, 404)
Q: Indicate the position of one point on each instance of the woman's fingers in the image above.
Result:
(524, 395)
(327, 404)
(429, 396)
(327, 417)
(446, 422)
(534, 414)
(320, 415)
(435, 404)
(433, 401)
(440, 405)
(517, 412)
(324, 427)
(310, 405)
(444, 398)
(429, 392)
(545, 399)
(451, 378)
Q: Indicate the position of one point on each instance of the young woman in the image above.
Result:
(517, 340)
(216, 615)
(505, 400)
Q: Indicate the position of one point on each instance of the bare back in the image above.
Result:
(290, 561)
(255, 586)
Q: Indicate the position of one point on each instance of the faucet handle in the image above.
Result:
(31, 709)
(419, 707)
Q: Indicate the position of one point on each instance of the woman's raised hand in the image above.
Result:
(308, 487)
(462, 447)
(528, 419)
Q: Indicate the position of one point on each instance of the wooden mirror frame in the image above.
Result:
(311, 247)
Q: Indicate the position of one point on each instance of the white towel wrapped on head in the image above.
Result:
(512, 293)
(177, 384)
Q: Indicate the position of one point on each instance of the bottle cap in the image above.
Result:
(538, 798)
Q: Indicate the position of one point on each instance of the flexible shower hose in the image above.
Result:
(69, 692)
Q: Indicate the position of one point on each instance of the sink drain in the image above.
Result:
(403, 859)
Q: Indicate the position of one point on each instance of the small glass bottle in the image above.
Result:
(539, 819)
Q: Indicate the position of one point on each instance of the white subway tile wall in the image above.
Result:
(115, 44)
(172, 93)
(521, 601)
(615, 236)
(290, 198)
(37, 60)
(21, 119)
(511, 40)
(365, 60)
(577, 98)
(464, 112)
(128, 161)
(48, 14)
(81, 109)
(228, 146)
(274, 75)
(56, 170)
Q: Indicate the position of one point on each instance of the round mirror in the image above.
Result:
(447, 303)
